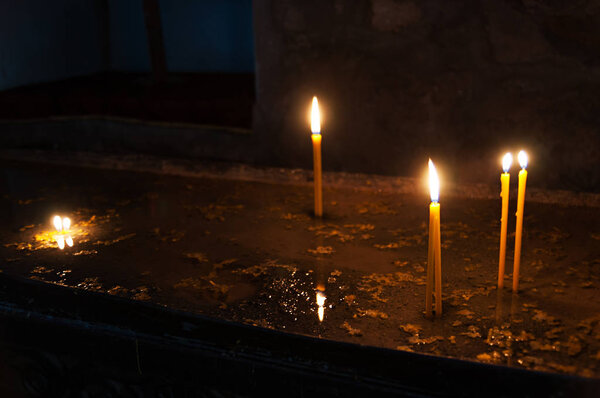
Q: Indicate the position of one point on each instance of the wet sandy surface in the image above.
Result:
(251, 252)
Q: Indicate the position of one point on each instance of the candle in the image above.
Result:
(62, 236)
(434, 257)
(505, 181)
(315, 126)
(520, 207)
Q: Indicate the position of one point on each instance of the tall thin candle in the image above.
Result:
(505, 182)
(520, 209)
(315, 127)
(434, 258)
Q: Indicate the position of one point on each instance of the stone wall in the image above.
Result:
(461, 81)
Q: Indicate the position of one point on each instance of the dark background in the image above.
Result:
(399, 81)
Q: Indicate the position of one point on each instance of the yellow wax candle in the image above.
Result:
(505, 182)
(438, 262)
(315, 126)
(434, 260)
(430, 261)
(520, 208)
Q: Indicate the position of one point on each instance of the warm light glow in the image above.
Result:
(523, 159)
(58, 224)
(61, 241)
(434, 183)
(321, 303)
(62, 235)
(321, 299)
(315, 117)
(507, 162)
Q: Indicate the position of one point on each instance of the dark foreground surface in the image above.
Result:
(251, 253)
(58, 342)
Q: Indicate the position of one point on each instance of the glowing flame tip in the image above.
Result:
(57, 221)
(523, 159)
(434, 182)
(315, 117)
(507, 162)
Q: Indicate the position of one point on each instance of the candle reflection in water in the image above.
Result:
(321, 303)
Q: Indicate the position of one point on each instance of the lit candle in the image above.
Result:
(505, 181)
(62, 236)
(434, 258)
(520, 207)
(315, 126)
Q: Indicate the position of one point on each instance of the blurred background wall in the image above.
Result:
(199, 36)
(398, 80)
(51, 40)
(42, 41)
(459, 81)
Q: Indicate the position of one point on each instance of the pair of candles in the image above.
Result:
(62, 235)
(505, 181)
(435, 251)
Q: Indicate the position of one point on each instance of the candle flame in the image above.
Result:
(507, 162)
(315, 117)
(523, 159)
(62, 235)
(434, 183)
(58, 224)
(321, 303)
(61, 224)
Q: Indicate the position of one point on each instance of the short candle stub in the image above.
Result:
(62, 226)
